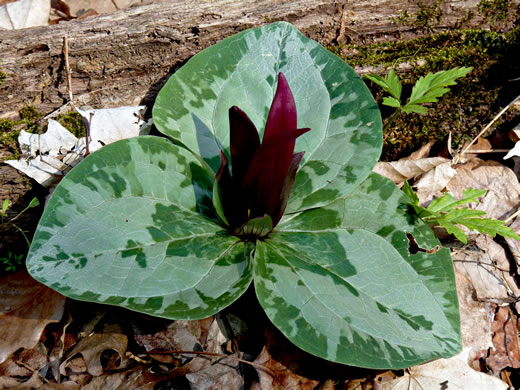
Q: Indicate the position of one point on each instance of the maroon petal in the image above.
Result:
(282, 114)
(287, 187)
(265, 178)
(244, 142)
(233, 205)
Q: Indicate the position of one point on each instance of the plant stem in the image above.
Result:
(397, 112)
(23, 234)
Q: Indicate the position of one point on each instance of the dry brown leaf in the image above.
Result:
(485, 263)
(92, 347)
(506, 352)
(69, 385)
(224, 374)
(277, 376)
(450, 374)
(26, 308)
(183, 336)
(60, 346)
(283, 370)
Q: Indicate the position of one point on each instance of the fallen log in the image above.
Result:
(125, 57)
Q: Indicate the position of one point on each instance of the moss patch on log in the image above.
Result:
(469, 105)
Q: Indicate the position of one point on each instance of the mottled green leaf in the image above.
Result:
(346, 130)
(133, 225)
(410, 193)
(340, 282)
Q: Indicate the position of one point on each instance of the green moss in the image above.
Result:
(469, 105)
(427, 16)
(495, 10)
(73, 122)
(29, 114)
(3, 76)
(9, 129)
(30, 122)
(9, 135)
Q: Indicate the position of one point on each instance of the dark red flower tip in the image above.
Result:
(262, 175)
(244, 141)
(265, 178)
(282, 114)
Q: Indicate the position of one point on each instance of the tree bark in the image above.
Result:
(124, 58)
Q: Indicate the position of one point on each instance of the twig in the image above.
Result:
(481, 264)
(511, 217)
(214, 354)
(475, 151)
(459, 156)
(67, 67)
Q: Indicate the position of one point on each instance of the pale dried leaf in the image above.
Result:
(453, 374)
(24, 13)
(513, 152)
(474, 323)
(399, 171)
(422, 152)
(435, 179)
(92, 347)
(26, 307)
(108, 125)
(78, 7)
(485, 263)
(48, 157)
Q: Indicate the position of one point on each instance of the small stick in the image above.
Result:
(511, 217)
(214, 354)
(457, 159)
(479, 151)
(87, 133)
(67, 67)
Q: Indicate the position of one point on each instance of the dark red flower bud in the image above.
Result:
(262, 175)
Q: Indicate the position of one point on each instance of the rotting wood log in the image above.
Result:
(124, 58)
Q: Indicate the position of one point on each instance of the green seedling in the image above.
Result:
(428, 89)
(12, 262)
(446, 211)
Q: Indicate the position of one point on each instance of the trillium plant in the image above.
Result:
(181, 226)
(254, 196)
